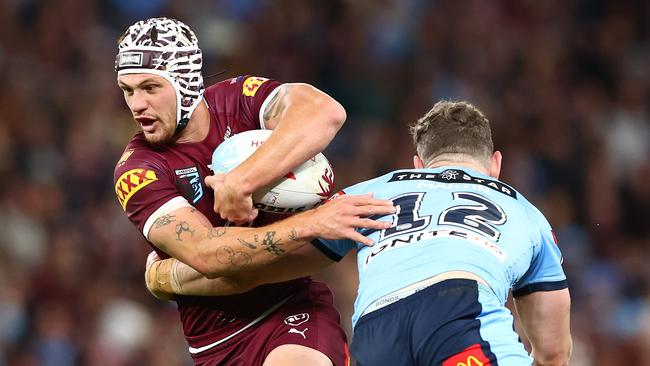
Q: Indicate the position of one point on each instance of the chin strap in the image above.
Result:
(181, 125)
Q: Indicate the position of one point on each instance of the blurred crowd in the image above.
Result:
(565, 84)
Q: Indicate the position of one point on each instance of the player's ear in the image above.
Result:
(417, 162)
(495, 164)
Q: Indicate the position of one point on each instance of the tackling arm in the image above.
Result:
(168, 277)
(187, 235)
(545, 319)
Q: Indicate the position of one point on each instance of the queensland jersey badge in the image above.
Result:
(188, 181)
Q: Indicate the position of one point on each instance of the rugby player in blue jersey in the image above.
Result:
(432, 290)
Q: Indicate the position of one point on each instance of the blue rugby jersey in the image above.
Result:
(452, 218)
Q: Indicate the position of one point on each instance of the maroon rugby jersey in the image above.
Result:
(148, 176)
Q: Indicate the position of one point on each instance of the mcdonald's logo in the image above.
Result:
(470, 356)
(471, 361)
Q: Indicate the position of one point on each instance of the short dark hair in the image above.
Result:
(452, 128)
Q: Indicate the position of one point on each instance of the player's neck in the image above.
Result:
(198, 126)
(474, 165)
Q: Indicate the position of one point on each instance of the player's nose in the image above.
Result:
(138, 102)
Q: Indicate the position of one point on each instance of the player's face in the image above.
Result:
(152, 101)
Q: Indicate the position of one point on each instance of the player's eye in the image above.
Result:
(150, 88)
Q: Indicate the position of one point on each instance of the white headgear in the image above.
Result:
(168, 48)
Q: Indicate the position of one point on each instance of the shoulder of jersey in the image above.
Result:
(365, 186)
(137, 150)
(231, 82)
(245, 85)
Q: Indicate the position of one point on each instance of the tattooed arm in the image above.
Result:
(168, 277)
(187, 235)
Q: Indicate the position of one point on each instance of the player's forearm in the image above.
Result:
(227, 251)
(248, 249)
(304, 122)
(186, 235)
(223, 251)
(169, 277)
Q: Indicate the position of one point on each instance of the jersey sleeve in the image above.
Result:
(545, 272)
(144, 188)
(334, 249)
(245, 97)
(337, 249)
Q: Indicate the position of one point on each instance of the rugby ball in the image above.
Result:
(303, 188)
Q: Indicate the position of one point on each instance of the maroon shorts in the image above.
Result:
(308, 318)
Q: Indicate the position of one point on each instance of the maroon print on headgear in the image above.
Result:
(168, 48)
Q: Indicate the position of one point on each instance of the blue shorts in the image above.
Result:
(453, 322)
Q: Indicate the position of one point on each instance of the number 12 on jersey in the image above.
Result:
(481, 216)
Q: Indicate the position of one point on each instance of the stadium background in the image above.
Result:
(564, 83)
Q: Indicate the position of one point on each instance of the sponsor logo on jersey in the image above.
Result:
(251, 85)
(414, 238)
(301, 332)
(125, 156)
(296, 320)
(188, 181)
(131, 182)
(453, 176)
(470, 356)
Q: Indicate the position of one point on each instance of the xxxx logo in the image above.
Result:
(132, 181)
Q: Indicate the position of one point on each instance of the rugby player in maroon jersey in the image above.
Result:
(164, 184)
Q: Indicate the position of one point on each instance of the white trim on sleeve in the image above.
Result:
(167, 207)
(265, 104)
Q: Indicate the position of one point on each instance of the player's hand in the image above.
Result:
(339, 218)
(229, 201)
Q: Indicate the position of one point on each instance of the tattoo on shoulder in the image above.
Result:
(271, 245)
(181, 228)
(164, 220)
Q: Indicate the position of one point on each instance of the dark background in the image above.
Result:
(565, 85)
